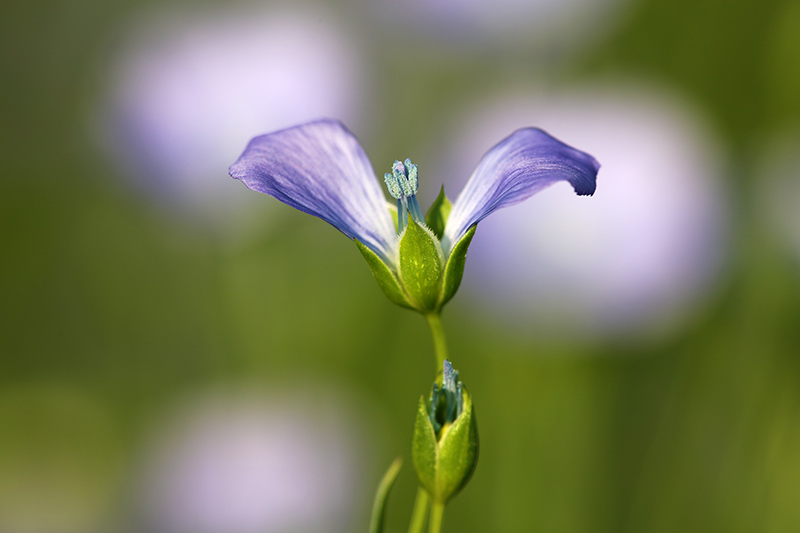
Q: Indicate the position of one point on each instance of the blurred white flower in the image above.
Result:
(241, 462)
(189, 89)
(635, 257)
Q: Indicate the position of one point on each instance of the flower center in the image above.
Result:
(402, 183)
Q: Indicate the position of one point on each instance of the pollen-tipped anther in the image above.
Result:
(403, 183)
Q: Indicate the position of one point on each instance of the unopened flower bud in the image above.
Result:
(445, 444)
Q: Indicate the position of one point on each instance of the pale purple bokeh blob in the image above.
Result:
(637, 256)
(189, 89)
(249, 463)
(559, 23)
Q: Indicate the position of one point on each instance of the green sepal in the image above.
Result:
(444, 467)
(420, 268)
(384, 276)
(382, 496)
(454, 269)
(423, 449)
(458, 452)
(437, 215)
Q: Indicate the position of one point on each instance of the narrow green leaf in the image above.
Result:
(437, 215)
(420, 267)
(454, 269)
(385, 278)
(382, 496)
(423, 449)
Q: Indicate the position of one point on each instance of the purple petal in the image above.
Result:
(320, 169)
(520, 166)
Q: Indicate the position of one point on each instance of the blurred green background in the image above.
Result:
(116, 307)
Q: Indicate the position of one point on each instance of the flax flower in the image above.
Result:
(321, 169)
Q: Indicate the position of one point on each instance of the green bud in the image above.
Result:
(445, 443)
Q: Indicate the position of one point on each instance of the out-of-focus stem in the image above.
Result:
(437, 518)
(420, 512)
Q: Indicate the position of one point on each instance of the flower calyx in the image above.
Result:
(423, 278)
(445, 443)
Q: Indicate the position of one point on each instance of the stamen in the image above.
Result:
(416, 211)
(450, 389)
(447, 401)
(392, 185)
(398, 169)
(402, 214)
(403, 183)
(411, 172)
(399, 172)
(450, 377)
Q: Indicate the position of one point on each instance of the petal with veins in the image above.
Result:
(518, 167)
(321, 169)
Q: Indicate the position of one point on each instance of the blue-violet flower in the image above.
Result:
(321, 169)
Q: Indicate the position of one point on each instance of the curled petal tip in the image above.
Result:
(521, 165)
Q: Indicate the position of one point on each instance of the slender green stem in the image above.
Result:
(439, 342)
(437, 518)
(420, 512)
